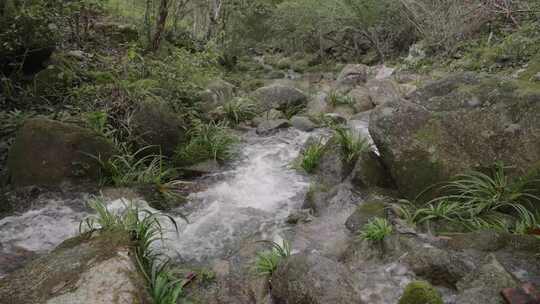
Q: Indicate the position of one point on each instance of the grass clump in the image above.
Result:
(376, 230)
(136, 168)
(239, 110)
(476, 200)
(351, 143)
(208, 141)
(336, 99)
(145, 229)
(268, 261)
(310, 158)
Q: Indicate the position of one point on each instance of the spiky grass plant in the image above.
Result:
(336, 99)
(310, 158)
(268, 261)
(481, 201)
(239, 110)
(376, 229)
(145, 229)
(135, 168)
(351, 143)
(208, 141)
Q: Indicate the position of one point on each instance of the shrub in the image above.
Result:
(268, 261)
(207, 141)
(376, 230)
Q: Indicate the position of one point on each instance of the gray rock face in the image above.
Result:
(317, 104)
(351, 76)
(303, 123)
(332, 170)
(279, 97)
(313, 279)
(484, 284)
(99, 270)
(456, 124)
(157, 125)
(47, 152)
(369, 171)
(372, 207)
(362, 99)
(269, 127)
(383, 91)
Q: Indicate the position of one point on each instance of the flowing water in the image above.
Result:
(250, 200)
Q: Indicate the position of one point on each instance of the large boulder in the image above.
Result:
(361, 98)
(455, 124)
(48, 152)
(369, 171)
(313, 279)
(156, 124)
(383, 91)
(90, 270)
(279, 97)
(484, 284)
(351, 76)
(269, 127)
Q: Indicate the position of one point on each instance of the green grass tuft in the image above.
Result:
(376, 230)
(268, 261)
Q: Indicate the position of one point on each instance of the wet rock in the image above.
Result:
(47, 152)
(269, 127)
(484, 284)
(202, 168)
(331, 169)
(156, 124)
(303, 123)
(362, 99)
(383, 91)
(279, 97)
(527, 293)
(299, 216)
(420, 292)
(369, 171)
(268, 115)
(454, 125)
(335, 118)
(366, 211)
(313, 279)
(351, 76)
(93, 270)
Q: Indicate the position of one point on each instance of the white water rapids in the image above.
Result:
(252, 199)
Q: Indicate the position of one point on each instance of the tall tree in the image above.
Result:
(160, 24)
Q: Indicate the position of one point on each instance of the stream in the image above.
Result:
(251, 200)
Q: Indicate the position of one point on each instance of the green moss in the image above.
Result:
(429, 133)
(420, 292)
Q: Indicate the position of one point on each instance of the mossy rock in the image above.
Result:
(48, 152)
(369, 171)
(159, 126)
(85, 269)
(366, 211)
(460, 123)
(420, 292)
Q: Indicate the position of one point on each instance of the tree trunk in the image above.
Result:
(160, 24)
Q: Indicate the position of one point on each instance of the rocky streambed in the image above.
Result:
(261, 196)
